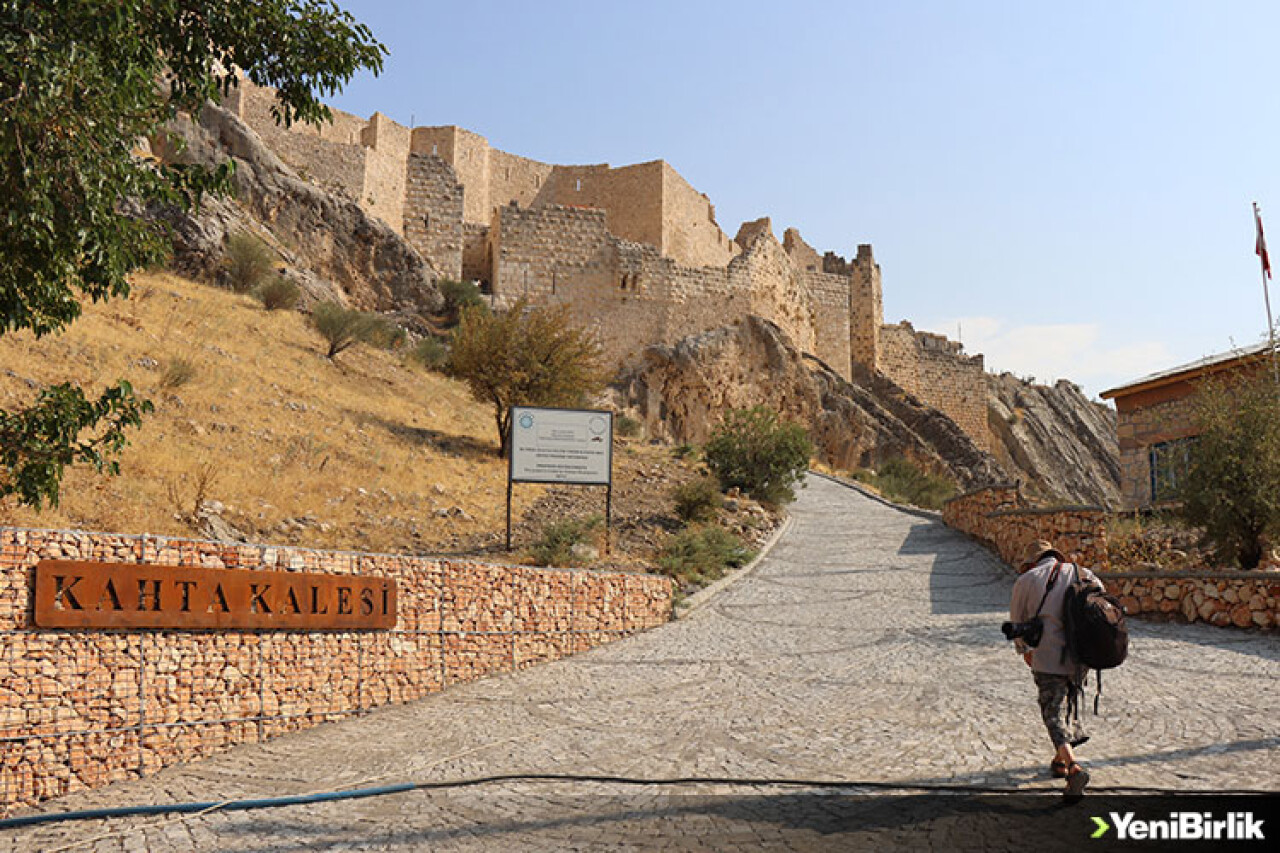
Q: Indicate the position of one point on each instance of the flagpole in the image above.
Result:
(1266, 291)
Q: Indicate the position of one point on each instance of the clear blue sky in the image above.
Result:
(1066, 186)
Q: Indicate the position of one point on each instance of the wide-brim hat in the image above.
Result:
(1036, 550)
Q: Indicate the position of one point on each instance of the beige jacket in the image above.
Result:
(1027, 591)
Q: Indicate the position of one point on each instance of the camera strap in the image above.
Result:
(1053, 578)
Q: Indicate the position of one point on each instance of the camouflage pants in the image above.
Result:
(1057, 695)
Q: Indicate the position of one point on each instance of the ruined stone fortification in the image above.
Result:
(635, 250)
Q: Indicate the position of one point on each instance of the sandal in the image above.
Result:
(1077, 778)
(1058, 769)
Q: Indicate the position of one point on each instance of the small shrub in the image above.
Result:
(627, 426)
(686, 452)
(555, 548)
(430, 352)
(277, 293)
(458, 295)
(698, 499)
(699, 555)
(201, 479)
(341, 327)
(248, 262)
(756, 452)
(901, 480)
(177, 372)
(384, 334)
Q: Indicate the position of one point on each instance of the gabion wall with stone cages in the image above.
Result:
(81, 708)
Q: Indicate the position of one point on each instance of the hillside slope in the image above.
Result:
(360, 453)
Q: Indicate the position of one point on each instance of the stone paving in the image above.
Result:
(865, 649)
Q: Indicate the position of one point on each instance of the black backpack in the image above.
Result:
(1096, 633)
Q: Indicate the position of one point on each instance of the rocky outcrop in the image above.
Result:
(680, 392)
(1059, 444)
(332, 246)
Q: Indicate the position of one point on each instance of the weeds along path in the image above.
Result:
(864, 648)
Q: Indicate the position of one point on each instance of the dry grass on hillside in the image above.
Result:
(362, 452)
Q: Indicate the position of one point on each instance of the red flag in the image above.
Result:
(1260, 248)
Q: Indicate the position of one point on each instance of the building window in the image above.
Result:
(1170, 461)
(578, 186)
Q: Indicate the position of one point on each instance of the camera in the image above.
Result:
(1029, 632)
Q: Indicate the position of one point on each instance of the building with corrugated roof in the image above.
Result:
(1155, 422)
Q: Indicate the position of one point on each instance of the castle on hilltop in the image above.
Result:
(635, 250)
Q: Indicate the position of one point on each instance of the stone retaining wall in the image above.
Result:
(1242, 599)
(82, 708)
(998, 517)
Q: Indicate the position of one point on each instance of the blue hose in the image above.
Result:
(358, 793)
(215, 805)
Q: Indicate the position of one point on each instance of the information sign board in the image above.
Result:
(561, 446)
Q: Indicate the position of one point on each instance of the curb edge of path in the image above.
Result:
(700, 598)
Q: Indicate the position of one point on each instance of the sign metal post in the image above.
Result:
(566, 446)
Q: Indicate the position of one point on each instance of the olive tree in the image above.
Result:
(524, 356)
(1232, 482)
(83, 84)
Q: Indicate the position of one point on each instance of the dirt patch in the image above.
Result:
(643, 517)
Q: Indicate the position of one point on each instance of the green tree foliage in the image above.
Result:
(430, 352)
(754, 451)
(82, 83)
(1232, 483)
(524, 356)
(458, 295)
(37, 443)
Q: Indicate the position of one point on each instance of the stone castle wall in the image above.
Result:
(690, 232)
(82, 708)
(866, 314)
(385, 189)
(577, 234)
(633, 296)
(331, 156)
(936, 371)
(433, 213)
(639, 188)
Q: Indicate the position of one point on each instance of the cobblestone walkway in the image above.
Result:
(864, 648)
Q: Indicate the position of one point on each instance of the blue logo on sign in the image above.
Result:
(526, 421)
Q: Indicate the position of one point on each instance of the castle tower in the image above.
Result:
(866, 310)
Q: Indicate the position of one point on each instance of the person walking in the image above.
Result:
(1044, 575)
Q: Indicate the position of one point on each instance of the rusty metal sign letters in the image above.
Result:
(76, 594)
